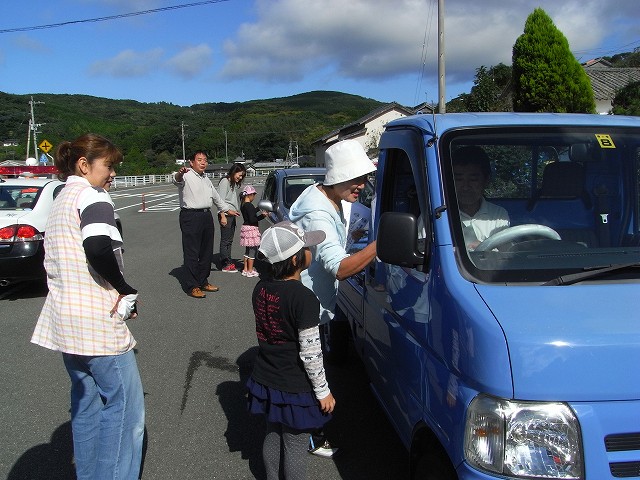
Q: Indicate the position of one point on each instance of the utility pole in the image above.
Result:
(33, 128)
(226, 152)
(442, 106)
(182, 125)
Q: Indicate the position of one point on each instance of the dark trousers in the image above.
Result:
(197, 246)
(226, 240)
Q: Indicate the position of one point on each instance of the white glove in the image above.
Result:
(126, 305)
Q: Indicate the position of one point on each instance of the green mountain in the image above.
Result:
(150, 134)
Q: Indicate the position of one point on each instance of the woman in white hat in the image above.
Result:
(319, 207)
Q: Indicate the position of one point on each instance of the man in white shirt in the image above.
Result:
(472, 173)
(197, 196)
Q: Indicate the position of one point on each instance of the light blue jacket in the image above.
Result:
(313, 211)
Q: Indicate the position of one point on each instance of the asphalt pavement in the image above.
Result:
(194, 356)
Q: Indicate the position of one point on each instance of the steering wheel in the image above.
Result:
(516, 234)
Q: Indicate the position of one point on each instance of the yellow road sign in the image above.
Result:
(45, 146)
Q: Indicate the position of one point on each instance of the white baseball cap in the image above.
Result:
(285, 239)
(346, 160)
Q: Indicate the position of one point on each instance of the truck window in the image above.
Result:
(534, 204)
(401, 193)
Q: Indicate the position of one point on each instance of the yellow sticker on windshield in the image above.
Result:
(605, 140)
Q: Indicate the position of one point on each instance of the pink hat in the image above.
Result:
(249, 190)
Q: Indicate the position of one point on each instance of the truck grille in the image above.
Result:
(625, 469)
(621, 443)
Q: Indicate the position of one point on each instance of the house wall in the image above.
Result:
(368, 137)
(603, 107)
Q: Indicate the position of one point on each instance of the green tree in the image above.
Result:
(627, 100)
(546, 75)
(491, 91)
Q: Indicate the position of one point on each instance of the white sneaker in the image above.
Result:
(253, 273)
(323, 449)
(245, 273)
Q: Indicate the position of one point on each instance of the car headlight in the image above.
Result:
(523, 439)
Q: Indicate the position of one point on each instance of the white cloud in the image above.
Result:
(128, 63)
(187, 64)
(25, 42)
(292, 40)
(191, 61)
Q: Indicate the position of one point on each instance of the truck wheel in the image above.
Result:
(434, 465)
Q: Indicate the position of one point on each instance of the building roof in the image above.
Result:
(352, 129)
(606, 80)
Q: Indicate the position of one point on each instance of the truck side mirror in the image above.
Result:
(398, 240)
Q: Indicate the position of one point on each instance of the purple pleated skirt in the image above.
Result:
(296, 410)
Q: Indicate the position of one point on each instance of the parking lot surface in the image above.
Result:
(194, 356)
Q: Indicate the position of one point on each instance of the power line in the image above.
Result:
(111, 17)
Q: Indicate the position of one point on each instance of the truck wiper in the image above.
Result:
(591, 273)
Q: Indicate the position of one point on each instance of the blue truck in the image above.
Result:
(517, 355)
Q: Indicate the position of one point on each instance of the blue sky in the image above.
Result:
(238, 50)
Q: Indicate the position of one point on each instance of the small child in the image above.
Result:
(249, 232)
(288, 383)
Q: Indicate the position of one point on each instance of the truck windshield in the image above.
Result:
(534, 204)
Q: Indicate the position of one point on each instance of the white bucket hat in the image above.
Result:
(346, 160)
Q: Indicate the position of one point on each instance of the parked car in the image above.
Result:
(25, 204)
(283, 187)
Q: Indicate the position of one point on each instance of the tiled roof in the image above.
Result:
(606, 81)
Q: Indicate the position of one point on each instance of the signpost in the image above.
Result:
(45, 146)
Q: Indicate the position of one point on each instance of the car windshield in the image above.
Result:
(18, 197)
(534, 204)
(294, 186)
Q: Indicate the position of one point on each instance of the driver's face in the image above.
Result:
(470, 183)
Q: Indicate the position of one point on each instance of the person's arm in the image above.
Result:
(312, 360)
(356, 262)
(330, 253)
(223, 207)
(252, 213)
(179, 175)
(99, 233)
(99, 252)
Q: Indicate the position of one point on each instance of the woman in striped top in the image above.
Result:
(85, 312)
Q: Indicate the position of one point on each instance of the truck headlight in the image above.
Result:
(523, 439)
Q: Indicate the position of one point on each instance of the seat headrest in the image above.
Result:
(562, 180)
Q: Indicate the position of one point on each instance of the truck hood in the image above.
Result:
(572, 343)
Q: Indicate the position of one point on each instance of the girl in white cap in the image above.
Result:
(319, 207)
(288, 383)
(249, 231)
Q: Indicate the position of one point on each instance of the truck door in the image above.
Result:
(396, 300)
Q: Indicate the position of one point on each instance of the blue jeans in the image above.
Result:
(107, 415)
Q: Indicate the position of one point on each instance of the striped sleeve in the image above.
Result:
(97, 215)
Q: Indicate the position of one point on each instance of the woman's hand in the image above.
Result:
(129, 307)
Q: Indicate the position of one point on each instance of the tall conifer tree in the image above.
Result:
(546, 75)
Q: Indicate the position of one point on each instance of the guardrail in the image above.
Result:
(141, 180)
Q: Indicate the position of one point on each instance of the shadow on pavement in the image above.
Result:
(48, 461)
(245, 432)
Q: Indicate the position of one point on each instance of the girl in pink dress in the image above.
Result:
(249, 232)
